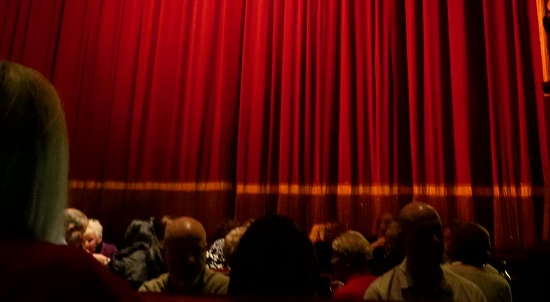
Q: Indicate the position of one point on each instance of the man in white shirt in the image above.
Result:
(471, 249)
(420, 276)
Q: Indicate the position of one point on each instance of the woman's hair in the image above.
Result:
(141, 231)
(34, 156)
(275, 258)
(94, 226)
(353, 249)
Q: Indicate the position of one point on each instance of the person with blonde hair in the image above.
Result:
(93, 242)
(34, 165)
(352, 253)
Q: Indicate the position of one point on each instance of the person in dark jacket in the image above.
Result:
(274, 258)
(140, 259)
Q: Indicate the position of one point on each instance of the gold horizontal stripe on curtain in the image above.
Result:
(152, 186)
(294, 189)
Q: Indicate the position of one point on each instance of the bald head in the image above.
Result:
(185, 246)
(416, 212)
(184, 227)
(423, 233)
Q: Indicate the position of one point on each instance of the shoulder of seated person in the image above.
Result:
(215, 282)
(155, 285)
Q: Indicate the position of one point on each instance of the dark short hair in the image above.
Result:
(225, 227)
(471, 244)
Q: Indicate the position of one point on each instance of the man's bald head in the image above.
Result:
(184, 227)
(185, 246)
(415, 212)
(423, 232)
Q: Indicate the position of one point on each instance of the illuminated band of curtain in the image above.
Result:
(293, 189)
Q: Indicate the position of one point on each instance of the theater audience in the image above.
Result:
(93, 242)
(352, 253)
(471, 249)
(34, 160)
(215, 258)
(381, 226)
(185, 247)
(274, 258)
(420, 276)
(140, 258)
(394, 251)
(76, 223)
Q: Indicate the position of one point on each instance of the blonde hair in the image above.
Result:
(353, 248)
(95, 227)
(34, 156)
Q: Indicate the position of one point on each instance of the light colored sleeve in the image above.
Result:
(478, 295)
(373, 292)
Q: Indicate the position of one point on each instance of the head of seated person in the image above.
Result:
(34, 165)
(424, 244)
(140, 232)
(93, 241)
(185, 250)
(185, 255)
(33, 156)
(76, 224)
(274, 258)
(382, 223)
(352, 253)
(93, 236)
(140, 258)
(471, 244)
(420, 277)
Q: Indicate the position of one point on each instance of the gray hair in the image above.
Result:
(34, 156)
(353, 249)
(95, 227)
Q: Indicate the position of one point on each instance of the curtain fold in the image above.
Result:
(319, 110)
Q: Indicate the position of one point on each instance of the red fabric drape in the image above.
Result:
(320, 110)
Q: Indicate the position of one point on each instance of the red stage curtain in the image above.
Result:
(320, 110)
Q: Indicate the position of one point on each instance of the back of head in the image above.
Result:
(76, 223)
(33, 156)
(471, 244)
(352, 253)
(423, 237)
(142, 232)
(274, 258)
